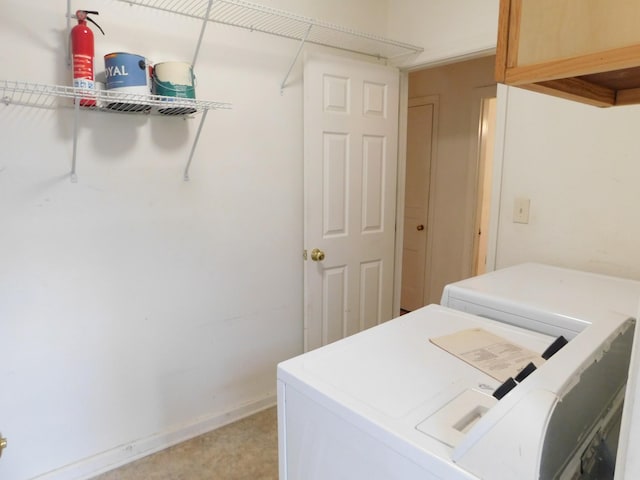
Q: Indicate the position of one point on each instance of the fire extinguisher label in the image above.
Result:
(82, 67)
(84, 83)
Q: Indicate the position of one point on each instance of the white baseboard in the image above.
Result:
(116, 457)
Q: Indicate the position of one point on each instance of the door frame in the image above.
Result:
(502, 97)
(480, 94)
(502, 105)
(403, 113)
(433, 100)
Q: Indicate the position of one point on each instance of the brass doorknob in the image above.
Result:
(3, 444)
(420, 228)
(317, 255)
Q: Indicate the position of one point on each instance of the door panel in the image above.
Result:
(351, 125)
(335, 194)
(334, 318)
(370, 294)
(373, 161)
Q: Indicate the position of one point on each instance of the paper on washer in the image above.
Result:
(494, 355)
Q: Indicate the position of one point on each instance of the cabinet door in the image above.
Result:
(588, 51)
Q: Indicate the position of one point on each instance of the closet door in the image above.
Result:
(350, 169)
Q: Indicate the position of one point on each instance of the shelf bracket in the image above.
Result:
(193, 147)
(76, 113)
(205, 20)
(295, 59)
(68, 33)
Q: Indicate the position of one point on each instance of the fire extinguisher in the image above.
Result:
(82, 54)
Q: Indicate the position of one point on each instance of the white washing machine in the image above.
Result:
(553, 300)
(390, 404)
(561, 301)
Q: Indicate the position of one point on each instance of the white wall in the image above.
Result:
(137, 309)
(579, 167)
(576, 163)
(361, 15)
(446, 29)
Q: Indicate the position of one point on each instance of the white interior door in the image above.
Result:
(420, 122)
(350, 142)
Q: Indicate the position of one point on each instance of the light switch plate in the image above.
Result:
(521, 210)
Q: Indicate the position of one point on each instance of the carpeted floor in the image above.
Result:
(244, 450)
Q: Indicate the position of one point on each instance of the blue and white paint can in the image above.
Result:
(127, 73)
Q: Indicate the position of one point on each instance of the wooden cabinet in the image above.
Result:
(584, 50)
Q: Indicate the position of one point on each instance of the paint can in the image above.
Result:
(174, 80)
(127, 73)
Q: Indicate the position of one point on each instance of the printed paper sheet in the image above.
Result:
(490, 353)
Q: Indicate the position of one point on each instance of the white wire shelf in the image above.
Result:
(255, 17)
(57, 96)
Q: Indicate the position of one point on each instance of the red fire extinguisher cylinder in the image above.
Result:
(82, 55)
